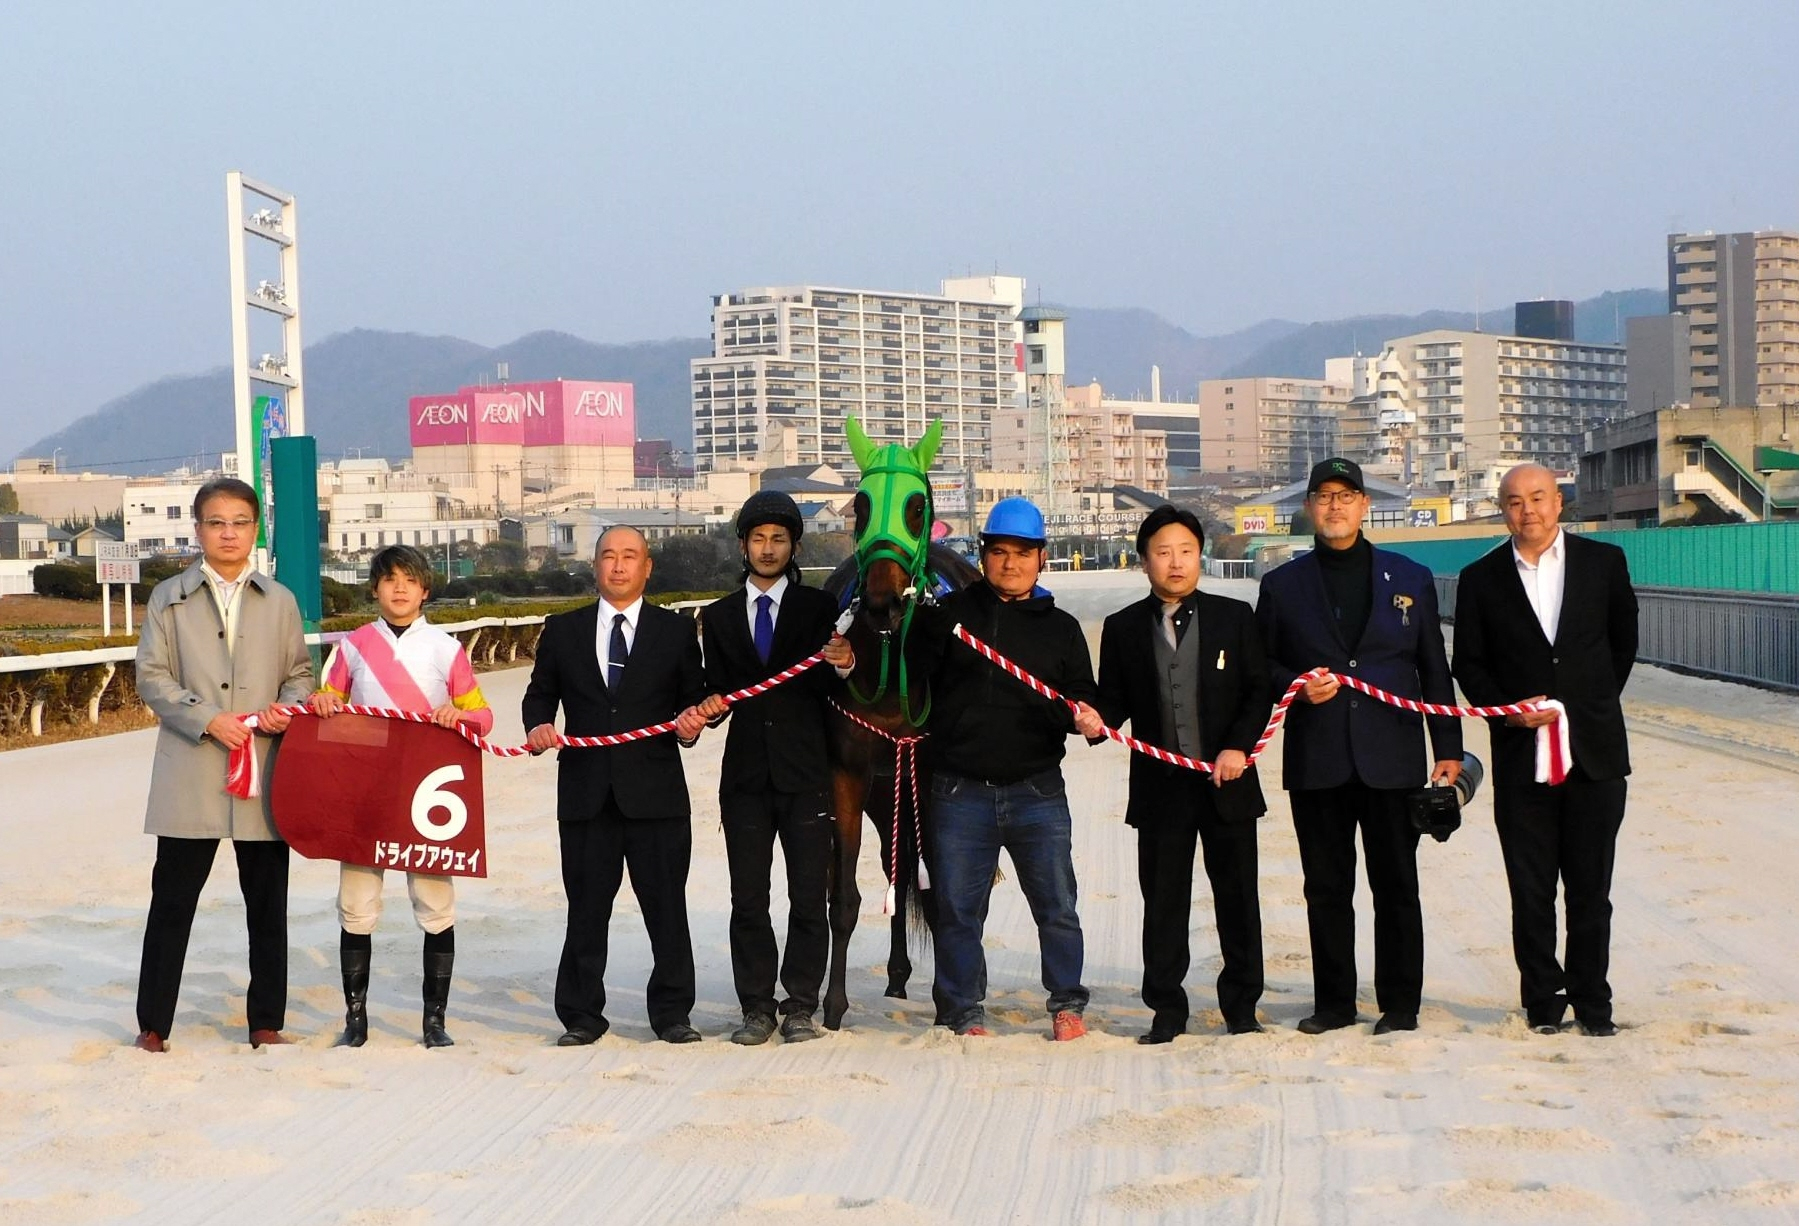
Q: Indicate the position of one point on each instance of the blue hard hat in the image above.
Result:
(1018, 518)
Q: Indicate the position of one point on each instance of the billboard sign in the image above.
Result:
(115, 562)
(597, 414)
(1255, 519)
(442, 421)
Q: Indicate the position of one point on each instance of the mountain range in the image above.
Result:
(358, 382)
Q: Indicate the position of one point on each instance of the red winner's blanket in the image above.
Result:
(380, 792)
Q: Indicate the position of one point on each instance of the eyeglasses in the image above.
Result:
(236, 525)
(1336, 498)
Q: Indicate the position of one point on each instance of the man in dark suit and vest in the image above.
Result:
(1554, 616)
(610, 667)
(1185, 668)
(1348, 761)
(776, 774)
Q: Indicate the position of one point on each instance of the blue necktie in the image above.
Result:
(765, 626)
(616, 653)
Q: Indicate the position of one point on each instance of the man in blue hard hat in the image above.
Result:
(996, 752)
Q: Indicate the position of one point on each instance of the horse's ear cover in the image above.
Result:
(925, 450)
(862, 449)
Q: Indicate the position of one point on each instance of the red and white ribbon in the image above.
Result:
(1275, 720)
(242, 774)
(1554, 753)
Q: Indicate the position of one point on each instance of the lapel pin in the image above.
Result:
(1220, 664)
(1404, 605)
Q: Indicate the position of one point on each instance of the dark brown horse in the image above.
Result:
(879, 724)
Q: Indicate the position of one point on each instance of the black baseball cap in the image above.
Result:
(1336, 469)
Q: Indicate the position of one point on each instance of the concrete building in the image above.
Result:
(368, 504)
(497, 447)
(50, 494)
(1740, 294)
(805, 357)
(1682, 461)
(159, 513)
(28, 538)
(1274, 427)
(1659, 353)
(1477, 404)
(1099, 445)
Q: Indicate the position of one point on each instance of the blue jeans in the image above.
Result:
(970, 822)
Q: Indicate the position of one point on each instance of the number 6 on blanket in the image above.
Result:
(384, 793)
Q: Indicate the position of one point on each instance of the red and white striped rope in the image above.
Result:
(242, 777)
(905, 757)
(1275, 720)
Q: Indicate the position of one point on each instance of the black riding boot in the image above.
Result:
(355, 963)
(440, 957)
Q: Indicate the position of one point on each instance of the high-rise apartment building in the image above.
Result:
(798, 360)
(1740, 294)
(1477, 403)
(1103, 443)
(1277, 428)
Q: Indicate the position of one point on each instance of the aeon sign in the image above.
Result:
(556, 413)
(439, 421)
(598, 413)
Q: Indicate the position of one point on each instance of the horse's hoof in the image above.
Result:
(897, 991)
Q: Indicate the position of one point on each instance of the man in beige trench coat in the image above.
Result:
(220, 641)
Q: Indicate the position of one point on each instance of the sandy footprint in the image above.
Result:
(1709, 1140)
(1524, 1201)
(750, 1141)
(1166, 1192)
(66, 1209)
(1514, 1137)
(1763, 1193)
(1171, 1126)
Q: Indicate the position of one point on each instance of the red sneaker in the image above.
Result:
(150, 1041)
(976, 1031)
(1069, 1025)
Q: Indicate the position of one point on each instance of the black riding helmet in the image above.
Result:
(770, 507)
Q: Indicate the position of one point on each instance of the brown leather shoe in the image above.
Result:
(268, 1038)
(149, 1040)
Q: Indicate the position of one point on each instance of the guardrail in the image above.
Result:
(94, 672)
(1735, 636)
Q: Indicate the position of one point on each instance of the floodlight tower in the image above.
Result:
(266, 214)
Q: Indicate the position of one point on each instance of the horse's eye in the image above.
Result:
(860, 511)
(915, 515)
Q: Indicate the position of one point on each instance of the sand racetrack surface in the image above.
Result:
(1691, 1114)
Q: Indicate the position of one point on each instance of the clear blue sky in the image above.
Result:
(486, 170)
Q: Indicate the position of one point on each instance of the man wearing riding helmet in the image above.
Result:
(996, 750)
(775, 776)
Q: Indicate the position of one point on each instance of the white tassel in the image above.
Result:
(887, 904)
(924, 876)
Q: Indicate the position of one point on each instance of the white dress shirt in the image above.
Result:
(602, 632)
(1544, 583)
(776, 590)
(226, 593)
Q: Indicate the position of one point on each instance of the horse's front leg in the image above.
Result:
(847, 789)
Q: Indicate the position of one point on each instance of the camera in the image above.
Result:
(1437, 811)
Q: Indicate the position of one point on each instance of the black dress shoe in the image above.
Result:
(1389, 1022)
(798, 1028)
(679, 1032)
(757, 1029)
(1319, 1023)
(1243, 1025)
(1156, 1035)
(577, 1036)
(1598, 1030)
(1545, 1025)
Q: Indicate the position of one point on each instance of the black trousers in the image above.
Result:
(1569, 831)
(1165, 848)
(594, 857)
(752, 821)
(1326, 821)
(182, 867)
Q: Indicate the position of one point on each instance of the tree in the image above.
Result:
(9, 500)
(498, 556)
(706, 563)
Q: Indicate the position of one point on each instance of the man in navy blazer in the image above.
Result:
(1348, 760)
(1552, 615)
(621, 805)
(1185, 669)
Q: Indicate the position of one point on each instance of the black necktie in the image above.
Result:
(616, 653)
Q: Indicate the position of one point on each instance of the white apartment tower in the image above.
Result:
(789, 364)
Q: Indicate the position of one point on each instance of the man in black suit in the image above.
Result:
(611, 667)
(1553, 615)
(1348, 761)
(1185, 668)
(776, 774)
